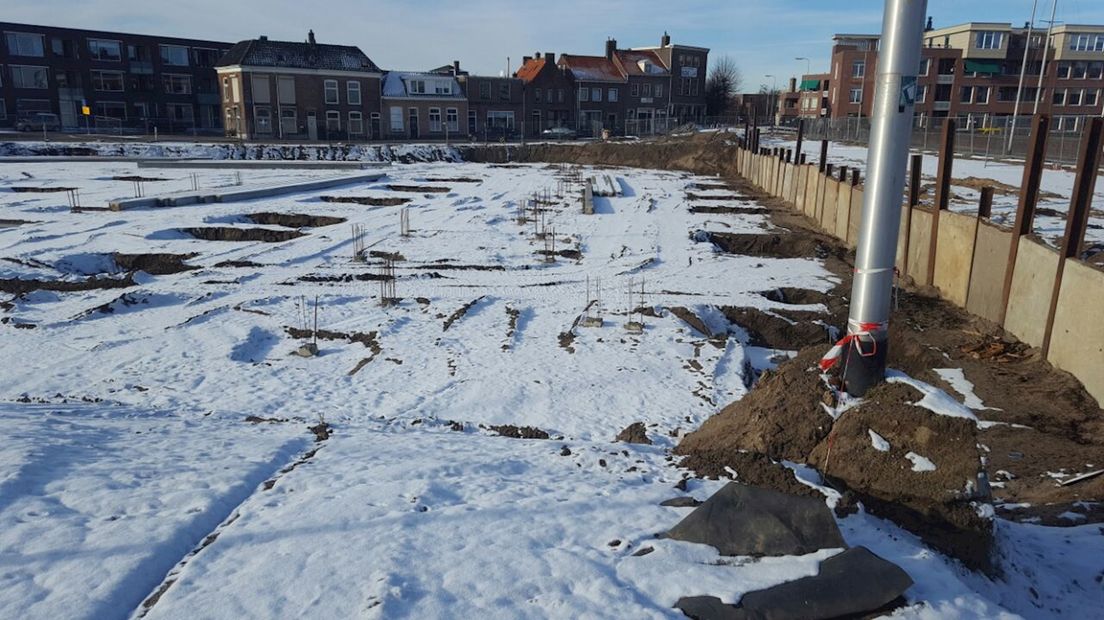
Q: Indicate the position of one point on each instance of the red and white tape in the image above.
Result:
(852, 339)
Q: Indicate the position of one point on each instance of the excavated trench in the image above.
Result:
(229, 233)
(293, 220)
(372, 201)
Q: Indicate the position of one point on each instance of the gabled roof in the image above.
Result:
(296, 55)
(395, 84)
(530, 69)
(592, 68)
(634, 62)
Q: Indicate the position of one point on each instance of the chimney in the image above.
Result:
(929, 27)
(525, 59)
(611, 46)
(793, 85)
(263, 37)
(666, 40)
(310, 37)
(456, 67)
(550, 57)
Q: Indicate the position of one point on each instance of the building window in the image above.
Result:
(259, 84)
(560, 95)
(176, 84)
(205, 57)
(634, 90)
(856, 95)
(1092, 96)
(925, 66)
(285, 89)
(25, 44)
(473, 121)
(612, 95)
(329, 87)
(29, 77)
(417, 87)
(452, 117)
(694, 87)
(3, 109)
(226, 88)
(981, 94)
(174, 55)
(1059, 97)
(262, 119)
(658, 90)
(333, 122)
(500, 120)
(435, 119)
(646, 90)
(1073, 97)
(352, 94)
(1085, 42)
(1063, 70)
(596, 94)
(584, 94)
(966, 94)
(111, 109)
(110, 51)
(1080, 70)
(504, 91)
(396, 118)
(484, 90)
(356, 124)
(858, 69)
(537, 95)
(1096, 70)
(441, 87)
(180, 112)
(107, 81)
(289, 120)
(989, 40)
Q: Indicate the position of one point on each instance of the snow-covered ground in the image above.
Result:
(1055, 187)
(134, 451)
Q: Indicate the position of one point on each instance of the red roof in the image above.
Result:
(592, 68)
(629, 60)
(530, 69)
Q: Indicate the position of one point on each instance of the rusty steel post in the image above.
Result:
(985, 203)
(823, 154)
(942, 190)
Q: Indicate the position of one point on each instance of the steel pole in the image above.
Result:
(891, 126)
(1046, 53)
(1023, 73)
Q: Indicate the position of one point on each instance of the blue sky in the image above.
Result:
(764, 36)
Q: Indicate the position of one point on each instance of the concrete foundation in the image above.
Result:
(231, 195)
(919, 245)
(1077, 342)
(954, 256)
(1032, 286)
(987, 274)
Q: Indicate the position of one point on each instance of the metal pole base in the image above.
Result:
(862, 372)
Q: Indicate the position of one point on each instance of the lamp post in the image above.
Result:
(773, 95)
(808, 64)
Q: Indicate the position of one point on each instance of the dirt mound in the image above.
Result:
(634, 433)
(728, 210)
(519, 432)
(767, 330)
(293, 220)
(724, 197)
(369, 339)
(419, 189)
(136, 178)
(344, 277)
(773, 246)
(447, 266)
(451, 180)
(155, 264)
(460, 312)
(920, 469)
(39, 190)
(781, 418)
(687, 315)
(18, 286)
(228, 233)
(238, 263)
(394, 256)
(390, 201)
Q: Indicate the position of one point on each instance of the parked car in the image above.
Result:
(558, 133)
(39, 121)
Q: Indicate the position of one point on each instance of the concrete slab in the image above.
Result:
(1077, 341)
(954, 256)
(231, 195)
(986, 292)
(1032, 286)
(919, 245)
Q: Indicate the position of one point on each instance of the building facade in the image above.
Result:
(687, 66)
(286, 90)
(423, 106)
(972, 72)
(648, 98)
(599, 88)
(128, 82)
(548, 95)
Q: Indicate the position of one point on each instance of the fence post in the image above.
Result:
(1029, 195)
(942, 190)
(913, 200)
(800, 136)
(985, 204)
(1088, 163)
(823, 154)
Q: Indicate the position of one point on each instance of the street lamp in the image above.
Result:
(773, 95)
(808, 65)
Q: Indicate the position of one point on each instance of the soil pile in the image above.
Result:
(293, 220)
(228, 233)
(154, 264)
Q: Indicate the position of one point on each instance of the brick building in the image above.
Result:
(495, 103)
(971, 72)
(294, 91)
(648, 100)
(548, 95)
(599, 87)
(129, 82)
(419, 106)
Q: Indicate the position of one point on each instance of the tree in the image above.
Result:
(722, 86)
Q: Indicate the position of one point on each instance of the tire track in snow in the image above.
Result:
(259, 480)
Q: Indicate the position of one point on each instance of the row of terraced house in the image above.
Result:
(262, 89)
